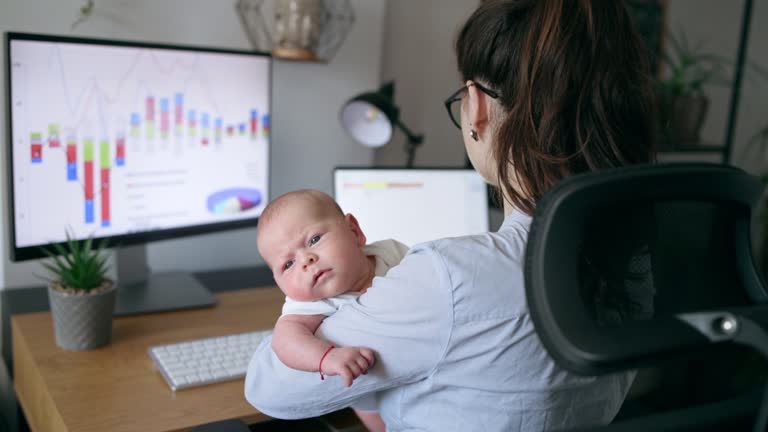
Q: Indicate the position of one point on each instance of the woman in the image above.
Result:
(551, 88)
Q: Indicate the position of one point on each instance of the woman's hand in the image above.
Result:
(349, 362)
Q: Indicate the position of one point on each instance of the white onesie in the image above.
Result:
(388, 253)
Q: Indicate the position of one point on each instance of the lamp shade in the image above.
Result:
(370, 117)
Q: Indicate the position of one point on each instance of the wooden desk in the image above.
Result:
(117, 388)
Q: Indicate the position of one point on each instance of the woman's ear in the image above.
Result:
(355, 227)
(477, 107)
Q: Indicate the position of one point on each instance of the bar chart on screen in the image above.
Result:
(142, 138)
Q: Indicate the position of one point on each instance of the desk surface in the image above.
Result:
(117, 388)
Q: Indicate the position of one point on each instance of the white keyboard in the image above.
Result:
(206, 361)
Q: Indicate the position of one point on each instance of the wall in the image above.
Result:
(716, 25)
(418, 55)
(307, 138)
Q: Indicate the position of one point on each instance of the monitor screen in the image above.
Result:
(413, 205)
(133, 142)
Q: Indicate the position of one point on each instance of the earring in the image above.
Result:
(473, 134)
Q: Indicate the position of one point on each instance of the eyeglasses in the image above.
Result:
(454, 109)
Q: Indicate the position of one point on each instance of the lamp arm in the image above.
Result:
(412, 137)
(413, 142)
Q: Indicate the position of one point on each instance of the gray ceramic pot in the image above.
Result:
(82, 321)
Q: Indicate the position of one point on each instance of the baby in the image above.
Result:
(319, 259)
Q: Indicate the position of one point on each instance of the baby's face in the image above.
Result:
(314, 253)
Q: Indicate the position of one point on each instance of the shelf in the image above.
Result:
(695, 149)
(725, 150)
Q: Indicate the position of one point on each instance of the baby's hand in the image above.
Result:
(347, 362)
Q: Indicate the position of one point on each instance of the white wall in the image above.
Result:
(307, 138)
(418, 55)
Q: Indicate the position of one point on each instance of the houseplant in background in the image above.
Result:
(683, 104)
(81, 296)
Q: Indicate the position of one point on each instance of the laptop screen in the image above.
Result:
(413, 205)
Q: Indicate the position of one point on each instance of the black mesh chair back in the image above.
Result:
(630, 267)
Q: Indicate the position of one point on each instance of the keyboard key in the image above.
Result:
(206, 361)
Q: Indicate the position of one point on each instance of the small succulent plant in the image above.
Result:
(77, 264)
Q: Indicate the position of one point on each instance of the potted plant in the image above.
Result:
(682, 103)
(81, 296)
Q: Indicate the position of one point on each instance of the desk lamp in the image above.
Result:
(370, 118)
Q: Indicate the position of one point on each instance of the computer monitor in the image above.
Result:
(132, 143)
(413, 205)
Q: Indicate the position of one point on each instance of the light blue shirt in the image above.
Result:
(455, 349)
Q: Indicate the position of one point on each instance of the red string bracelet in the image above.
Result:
(320, 368)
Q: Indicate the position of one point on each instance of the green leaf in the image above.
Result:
(51, 268)
(761, 70)
(87, 245)
(62, 252)
(61, 263)
(675, 44)
(671, 62)
(77, 264)
(690, 68)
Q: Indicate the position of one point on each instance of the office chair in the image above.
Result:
(640, 266)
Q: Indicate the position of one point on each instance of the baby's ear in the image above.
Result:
(355, 227)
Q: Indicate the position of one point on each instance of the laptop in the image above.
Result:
(413, 205)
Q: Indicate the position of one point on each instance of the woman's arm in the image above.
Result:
(405, 317)
(294, 342)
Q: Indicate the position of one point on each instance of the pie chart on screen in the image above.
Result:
(234, 200)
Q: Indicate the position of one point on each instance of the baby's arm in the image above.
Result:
(295, 344)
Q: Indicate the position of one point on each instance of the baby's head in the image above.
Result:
(312, 248)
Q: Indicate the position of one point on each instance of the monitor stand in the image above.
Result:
(140, 291)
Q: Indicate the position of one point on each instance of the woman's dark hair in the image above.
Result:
(575, 84)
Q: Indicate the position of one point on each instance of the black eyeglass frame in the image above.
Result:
(457, 96)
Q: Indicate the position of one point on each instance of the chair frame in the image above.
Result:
(556, 233)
